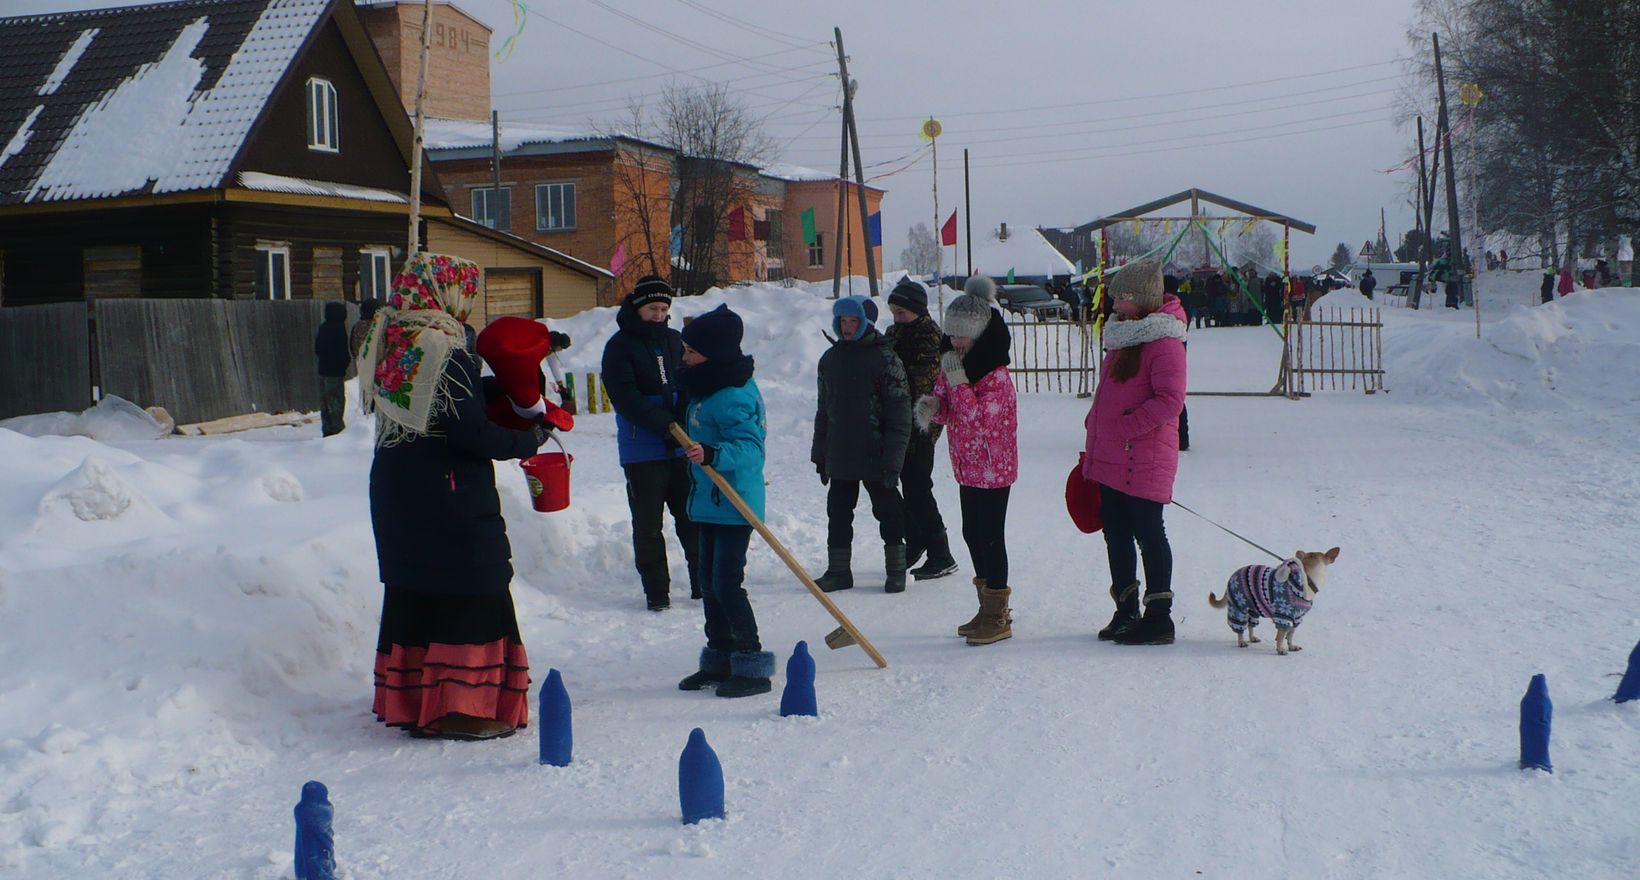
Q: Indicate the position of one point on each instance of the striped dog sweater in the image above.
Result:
(1257, 591)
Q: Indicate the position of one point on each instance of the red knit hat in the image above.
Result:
(514, 348)
(1082, 499)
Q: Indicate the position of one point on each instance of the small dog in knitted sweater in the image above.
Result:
(1283, 593)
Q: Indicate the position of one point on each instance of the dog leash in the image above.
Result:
(1226, 531)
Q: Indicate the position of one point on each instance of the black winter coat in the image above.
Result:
(863, 421)
(330, 343)
(433, 503)
(1368, 285)
(641, 364)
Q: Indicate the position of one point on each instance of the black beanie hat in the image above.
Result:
(909, 295)
(716, 334)
(649, 289)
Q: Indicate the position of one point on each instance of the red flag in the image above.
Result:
(948, 232)
(737, 224)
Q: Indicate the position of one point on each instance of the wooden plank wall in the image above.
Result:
(45, 359)
(208, 359)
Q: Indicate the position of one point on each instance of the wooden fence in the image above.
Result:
(1056, 356)
(201, 359)
(1334, 349)
(45, 359)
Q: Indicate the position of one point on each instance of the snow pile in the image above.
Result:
(1578, 352)
(111, 420)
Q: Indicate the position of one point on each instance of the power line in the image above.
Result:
(611, 82)
(1193, 118)
(615, 103)
(1100, 101)
(1190, 146)
(681, 40)
(756, 29)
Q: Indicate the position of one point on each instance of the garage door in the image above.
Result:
(509, 293)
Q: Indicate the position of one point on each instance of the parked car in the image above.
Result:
(1030, 299)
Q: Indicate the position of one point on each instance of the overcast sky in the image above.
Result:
(1070, 110)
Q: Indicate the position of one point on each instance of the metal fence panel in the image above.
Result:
(45, 359)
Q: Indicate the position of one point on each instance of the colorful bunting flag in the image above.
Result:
(1010, 274)
(808, 227)
(948, 230)
(874, 229)
(737, 224)
(618, 262)
(677, 240)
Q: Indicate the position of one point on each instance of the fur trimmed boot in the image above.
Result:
(894, 560)
(749, 673)
(995, 621)
(1156, 627)
(1127, 611)
(940, 563)
(973, 622)
(837, 576)
(714, 669)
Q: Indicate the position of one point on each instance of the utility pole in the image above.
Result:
(1454, 244)
(421, 129)
(849, 87)
(495, 162)
(967, 217)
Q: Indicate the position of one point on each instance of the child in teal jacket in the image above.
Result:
(728, 422)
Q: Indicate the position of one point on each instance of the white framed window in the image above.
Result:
(375, 277)
(323, 122)
(817, 251)
(554, 206)
(272, 270)
(489, 210)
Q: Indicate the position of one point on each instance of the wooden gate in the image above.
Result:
(1334, 349)
(1055, 356)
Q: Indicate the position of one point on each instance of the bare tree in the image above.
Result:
(720, 146)
(642, 181)
(922, 253)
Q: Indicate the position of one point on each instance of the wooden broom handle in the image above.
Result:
(739, 503)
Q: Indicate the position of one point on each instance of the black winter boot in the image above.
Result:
(714, 668)
(894, 561)
(837, 576)
(939, 562)
(749, 674)
(1127, 611)
(1156, 628)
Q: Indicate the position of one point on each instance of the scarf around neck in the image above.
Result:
(1154, 326)
(410, 343)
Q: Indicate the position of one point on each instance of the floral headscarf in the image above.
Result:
(411, 340)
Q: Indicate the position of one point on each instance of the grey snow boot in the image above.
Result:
(894, 560)
(837, 576)
(1127, 611)
(714, 668)
(750, 672)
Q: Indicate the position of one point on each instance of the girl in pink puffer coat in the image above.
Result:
(1133, 449)
(974, 399)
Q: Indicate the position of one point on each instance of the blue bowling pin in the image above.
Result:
(1535, 714)
(798, 697)
(315, 843)
(557, 738)
(1629, 688)
(700, 780)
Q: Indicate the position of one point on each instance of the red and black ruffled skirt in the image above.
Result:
(442, 653)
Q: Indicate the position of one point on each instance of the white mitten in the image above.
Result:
(951, 363)
(928, 406)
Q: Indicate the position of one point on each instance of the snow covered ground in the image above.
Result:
(187, 627)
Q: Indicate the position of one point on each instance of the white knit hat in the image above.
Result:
(968, 314)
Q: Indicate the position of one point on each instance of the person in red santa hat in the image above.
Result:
(516, 398)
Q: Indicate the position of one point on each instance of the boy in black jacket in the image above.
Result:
(640, 367)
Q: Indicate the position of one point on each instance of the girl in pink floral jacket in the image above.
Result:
(974, 399)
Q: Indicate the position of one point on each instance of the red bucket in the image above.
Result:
(548, 478)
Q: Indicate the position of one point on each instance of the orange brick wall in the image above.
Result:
(821, 195)
(594, 236)
(649, 178)
(458, 59)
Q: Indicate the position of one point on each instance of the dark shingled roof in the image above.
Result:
(127, 39)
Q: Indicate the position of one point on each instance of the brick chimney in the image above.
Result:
(458, 59)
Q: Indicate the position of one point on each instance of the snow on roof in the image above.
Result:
(69, 59)
(143, 99)
(802, 174)
(1025, 252)
(524, 242)
(456, 134)
(262, 182)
